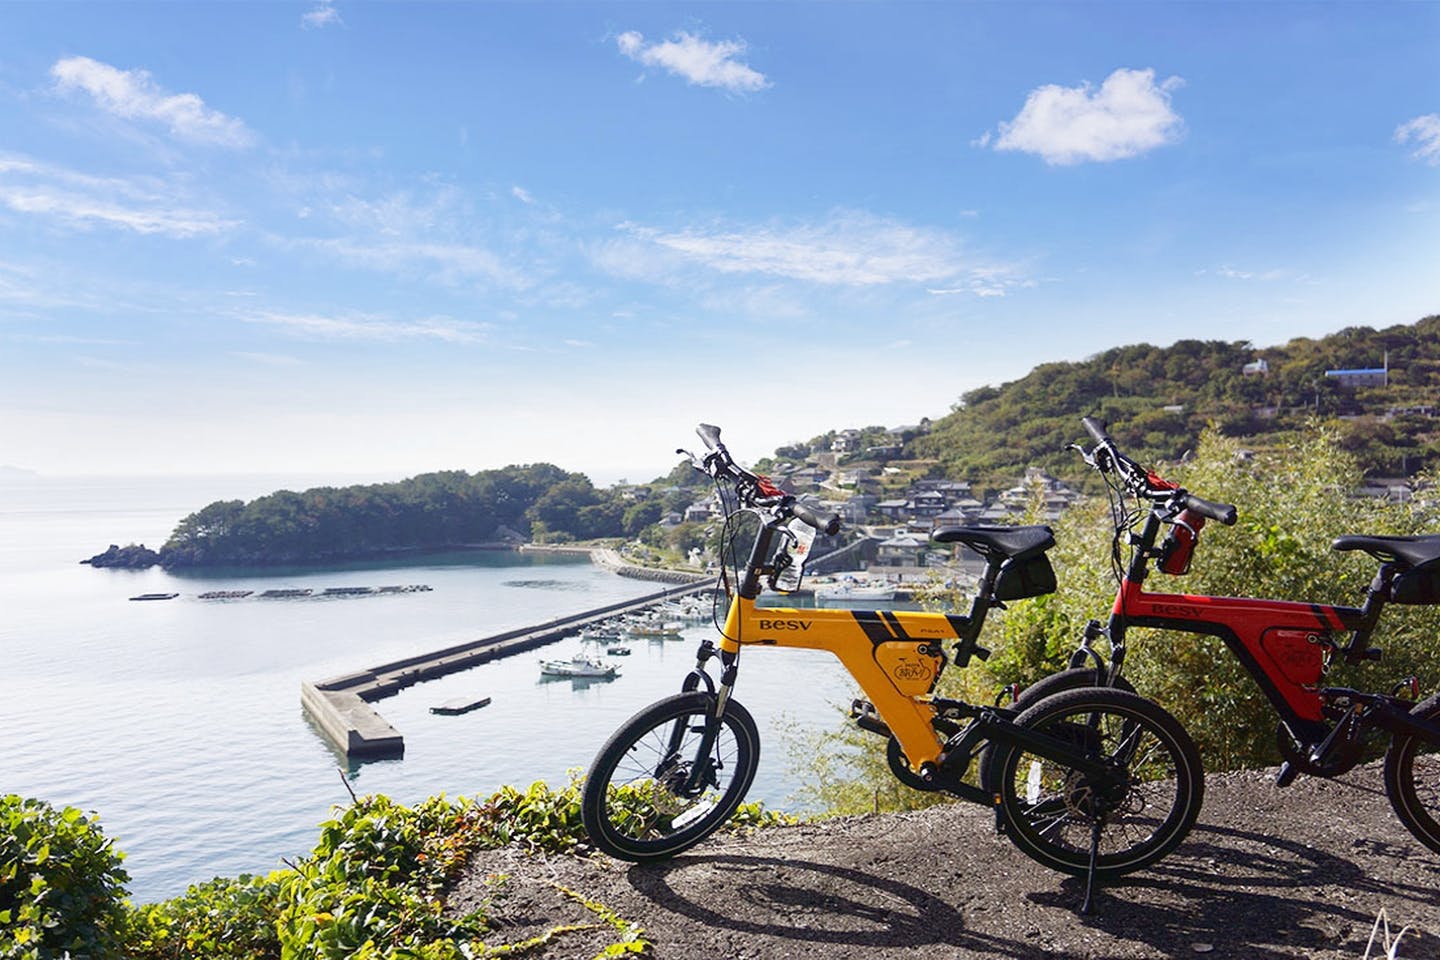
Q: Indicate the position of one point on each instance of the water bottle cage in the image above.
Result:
(1178, 550)
(781, 562)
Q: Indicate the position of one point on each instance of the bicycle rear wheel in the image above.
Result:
(667, 778)
(1412, 779)
(1070, 679)
(1143, 807)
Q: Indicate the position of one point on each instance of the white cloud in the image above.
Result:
(82, 211)
(1129, 115)
(521, 194)
(1424, 132)
(699, 62)
(448, 263)
(133, 95)
(323, 14)
(359, 327)
(78, 200)
(847, 250)
(1232, 273)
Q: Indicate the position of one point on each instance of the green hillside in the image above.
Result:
(1157, 400)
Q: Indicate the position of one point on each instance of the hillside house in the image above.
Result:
(893, 509)
(902, 550)
(808, 479)
(705, 510)
(1055, 496)
(1354, 379)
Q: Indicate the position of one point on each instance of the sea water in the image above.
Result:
(179, 722)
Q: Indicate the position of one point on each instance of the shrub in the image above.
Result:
(62, 887)
(372, 887)
(223, 919)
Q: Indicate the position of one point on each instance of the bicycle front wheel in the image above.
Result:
(667, 778)
(1139, 810)
(1412, 779)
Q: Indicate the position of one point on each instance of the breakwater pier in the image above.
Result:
(341, 706)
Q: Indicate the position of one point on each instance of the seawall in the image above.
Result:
(340, 706)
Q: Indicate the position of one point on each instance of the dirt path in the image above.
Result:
(1267, 873)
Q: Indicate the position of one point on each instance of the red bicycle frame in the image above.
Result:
(1285, 645)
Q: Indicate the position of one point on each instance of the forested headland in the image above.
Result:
(1157, 401)
(432, 512)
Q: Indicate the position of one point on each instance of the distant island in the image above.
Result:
(429, 513)
(1376, 388)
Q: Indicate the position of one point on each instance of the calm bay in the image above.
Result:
(179, 723)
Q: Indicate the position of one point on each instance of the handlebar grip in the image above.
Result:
(1222, 512)
(826, 522)
(1095, 428)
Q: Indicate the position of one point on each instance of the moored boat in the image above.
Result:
(581, 664)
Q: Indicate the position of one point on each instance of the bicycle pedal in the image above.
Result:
(1286, 774)
(866, 718)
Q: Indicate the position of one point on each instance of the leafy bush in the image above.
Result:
(62, 887)
(372, 887)
(223, 919)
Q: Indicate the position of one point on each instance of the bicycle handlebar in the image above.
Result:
(824, 521)
(1146, 483)
(755, 490)
(1220, 512)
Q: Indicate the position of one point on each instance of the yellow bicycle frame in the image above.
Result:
(894, 655)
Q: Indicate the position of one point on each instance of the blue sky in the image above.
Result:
(384, 238)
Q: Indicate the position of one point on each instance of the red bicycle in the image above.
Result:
(1286, 646)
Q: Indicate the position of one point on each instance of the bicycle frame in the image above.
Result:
(895, 656)
(1284, 645)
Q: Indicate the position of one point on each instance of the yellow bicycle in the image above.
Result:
(1087, 780)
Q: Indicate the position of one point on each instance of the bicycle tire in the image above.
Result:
(634, 805)
(1412, 778)
(1049, 810)
(1072, 678)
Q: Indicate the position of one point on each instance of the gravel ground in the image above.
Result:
(1299, 872)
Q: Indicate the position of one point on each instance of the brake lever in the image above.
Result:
(695, 461)
(1088, 457)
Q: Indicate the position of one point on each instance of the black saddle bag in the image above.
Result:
(1418, 585)
(1019, 579)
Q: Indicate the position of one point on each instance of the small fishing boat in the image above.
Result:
(581, 664)
(852, 589)
(618, 650)
(460, 705)
(657, 629)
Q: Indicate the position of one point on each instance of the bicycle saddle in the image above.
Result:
(1008, 542)
(1413, 551)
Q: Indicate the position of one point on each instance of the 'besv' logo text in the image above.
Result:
(784, 625)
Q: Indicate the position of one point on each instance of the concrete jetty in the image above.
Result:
(340, 706)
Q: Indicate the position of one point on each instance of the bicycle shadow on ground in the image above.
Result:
(1243, 893)
(804, 901)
